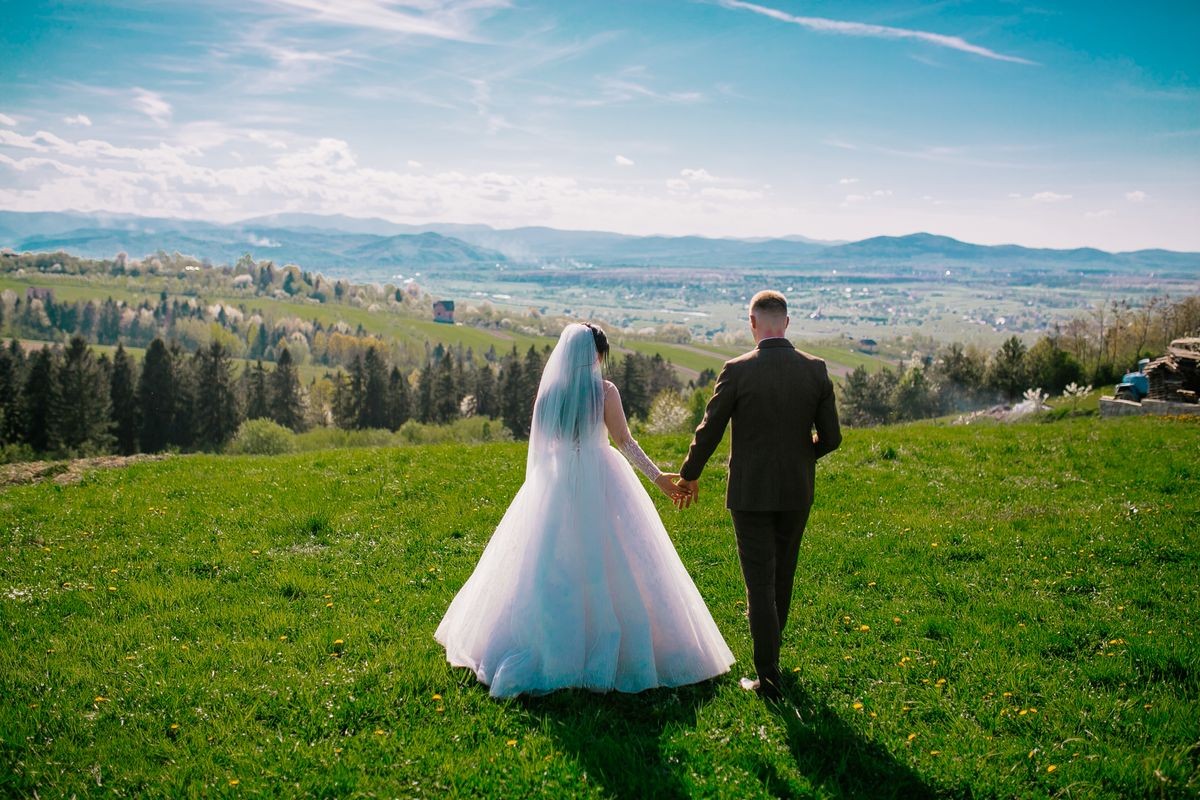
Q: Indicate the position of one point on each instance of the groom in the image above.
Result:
(776, 396)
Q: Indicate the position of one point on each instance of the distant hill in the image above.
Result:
(357, 246)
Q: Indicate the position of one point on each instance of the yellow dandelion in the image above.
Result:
(845, 619)
(857, 706)
(253, 552)
(1148, 706)
(941, 681)
(337, 750)
(234, 781)
(327, 596)
(329, 605)
(797, 669)
(511, 743)
(437, 697)
(933, 544)
(283, 638)
(174, 726)
(896, 620)
(864, 627)
(935, 752)
(100, 699)
(1023, 712)
(381, 733)
(338, 642)
(911, 736)
(1008, 694)
(1032, 710)
(112, 588)
(1051, 768)
(872, 583)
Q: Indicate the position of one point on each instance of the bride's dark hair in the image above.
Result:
(600, 339)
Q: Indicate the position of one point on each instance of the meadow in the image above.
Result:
(981, 612)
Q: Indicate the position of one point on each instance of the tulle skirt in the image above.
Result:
(580, 586)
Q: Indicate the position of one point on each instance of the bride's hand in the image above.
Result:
(666, 482)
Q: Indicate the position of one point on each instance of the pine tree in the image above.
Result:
(512, 398)
(37, 398)
(445, 394)
(345, 408)
(633, 388)
(11, 377)
(425, 394)
(1007, 372)
(258, 403)
(124, 402)
(217, 413)
(397, 399)
(373, 411)
(156, 397)
(183, 424)
(486, 401)
(287, 407)
(81, 409)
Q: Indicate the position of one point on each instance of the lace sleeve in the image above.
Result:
(638, 458)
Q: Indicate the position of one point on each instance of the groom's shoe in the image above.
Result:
(767, 691)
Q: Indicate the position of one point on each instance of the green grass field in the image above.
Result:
(981, 612)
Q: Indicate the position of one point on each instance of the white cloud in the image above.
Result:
(439, 19)
(1014, 195)
(1136, 196)
(844, 28)
(152, 105)
(678, 186)
(698, 175)
(414, 164)
(735, 195)
(848, 181)
(1050, 197)
(78, 119)
(5, 119)
(622, 161)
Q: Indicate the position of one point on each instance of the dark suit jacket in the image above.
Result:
(775, 396)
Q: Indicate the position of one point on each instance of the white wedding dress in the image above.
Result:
(580, 585)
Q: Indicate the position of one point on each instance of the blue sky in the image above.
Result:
(1056, 125)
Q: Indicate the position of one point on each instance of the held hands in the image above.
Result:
(682, 493)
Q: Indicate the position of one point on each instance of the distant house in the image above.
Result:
(443, 311)
(39, 293)
(867, 345)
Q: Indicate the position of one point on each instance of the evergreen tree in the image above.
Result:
(108, 328)
(913, 396)
(156, 397)
(1006, 372)
(397, 399)
(345, 407)
(217, 414)
(512, 398)
(124, 402)
(1051, 368)
(445, 395)
(286, 404)
(81, 407)
(531, 376)
(486, 401)
(633, 387)
(425, 393)
(258, 403)
(185, 369)
(37, 398)
(11, 377)
(373, 411)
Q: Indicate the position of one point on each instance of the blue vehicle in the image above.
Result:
(1134, 385)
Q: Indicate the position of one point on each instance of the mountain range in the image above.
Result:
(364, 247)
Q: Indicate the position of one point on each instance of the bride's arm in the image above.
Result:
(618, 429)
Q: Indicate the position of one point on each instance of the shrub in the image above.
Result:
(262, 437)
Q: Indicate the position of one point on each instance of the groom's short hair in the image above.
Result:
(768, 303)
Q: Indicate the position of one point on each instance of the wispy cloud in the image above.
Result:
(439, 19)
(847, 181)
(844, 28)
(1050, 197)
(152, 105)
(622, 161)
(5, 119)
(1136, 196)
(79, 119)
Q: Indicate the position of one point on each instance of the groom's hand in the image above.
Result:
(692, 489)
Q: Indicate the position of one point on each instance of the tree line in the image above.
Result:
(71, 401)
(1096, 349)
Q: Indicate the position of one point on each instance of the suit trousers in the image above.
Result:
(768, 545)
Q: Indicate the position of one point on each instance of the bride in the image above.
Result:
(579, 585)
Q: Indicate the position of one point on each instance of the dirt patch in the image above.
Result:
(66, 472)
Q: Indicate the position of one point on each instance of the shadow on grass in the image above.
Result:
(840, 760)
(619, 738)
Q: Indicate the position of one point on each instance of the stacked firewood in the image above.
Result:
(1176, 376)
